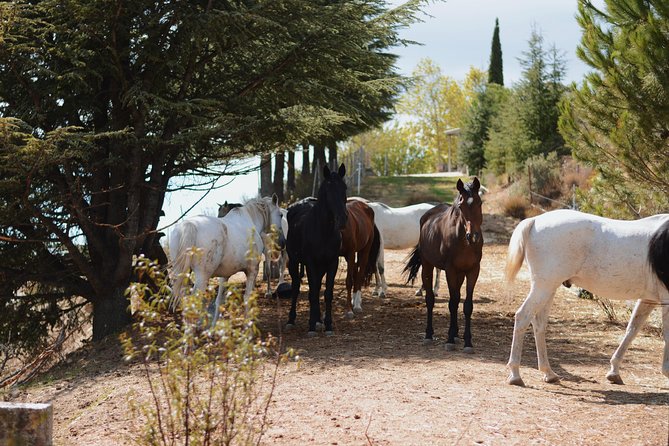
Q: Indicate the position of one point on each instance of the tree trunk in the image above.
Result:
(306, 168)
(265, 174)
(290, 178)
(110, 313)
(319, 156)
(332, 155)
(279, 162)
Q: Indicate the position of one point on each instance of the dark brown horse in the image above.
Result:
(451, 239)
(360, 247)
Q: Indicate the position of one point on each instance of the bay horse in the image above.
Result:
(613, 258)
(220, 247)
(451, 239)
(400, 229)
(360, 247)
(314, 240)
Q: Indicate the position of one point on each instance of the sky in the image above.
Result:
(456, 35)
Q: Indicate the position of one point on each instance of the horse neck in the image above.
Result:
(324, 216)
(259, 215)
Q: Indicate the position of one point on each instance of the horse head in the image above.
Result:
(225, 208)
(274, 220)
(332, 193)
(469, 203)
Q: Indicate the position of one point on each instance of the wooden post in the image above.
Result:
(26, 424)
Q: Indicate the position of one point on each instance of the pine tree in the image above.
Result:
(496, 68)
(617, 121)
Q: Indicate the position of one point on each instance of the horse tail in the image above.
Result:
(658, 253)
(370, 268)
(181, 259)
(413, 264)
(516, 252)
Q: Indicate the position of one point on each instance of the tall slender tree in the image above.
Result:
(496, 67)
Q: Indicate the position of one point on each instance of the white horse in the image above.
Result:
(273, 252)
(221, 247)
(400, 229)
(613, 258)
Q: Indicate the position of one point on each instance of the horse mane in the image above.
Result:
(261, 204)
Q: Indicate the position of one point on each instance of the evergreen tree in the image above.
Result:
(106, 106)
(528, 125)
(496, 68)
(618, 119)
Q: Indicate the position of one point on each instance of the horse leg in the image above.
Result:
(329, 292)
(537, 298)
(220, 298)
(295, 278)
(426, 276)
(361, 266)
(251, 274)
(454, 279)
(665, 334)
(315, 279)
(639, 315)
(379, 276)
(472, 277)
(268, 268)
(436, 282)
(539, 324)
(350, 275)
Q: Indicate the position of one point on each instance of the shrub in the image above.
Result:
(515, 206)
(206, 384)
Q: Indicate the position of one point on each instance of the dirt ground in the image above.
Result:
(374, 382)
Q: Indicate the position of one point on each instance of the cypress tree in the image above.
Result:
(496, 69)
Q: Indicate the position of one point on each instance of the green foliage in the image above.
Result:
(393, 151)
(617, 121)
(406, 190)
(487, 103)
(545, 171)
(207, 386)
(434, 103)
(105, 104)
(496, 67)
(527, 126)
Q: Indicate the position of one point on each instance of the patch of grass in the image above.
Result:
(404, 191)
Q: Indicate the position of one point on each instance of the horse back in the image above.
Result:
(607, 257)
(359, 229)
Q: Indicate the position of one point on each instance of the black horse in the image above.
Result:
(314, 240)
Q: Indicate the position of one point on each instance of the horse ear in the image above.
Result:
(326, 171)
(275, 200)
(342, 170)
(476, 184)
(225, 204)
(460, 186)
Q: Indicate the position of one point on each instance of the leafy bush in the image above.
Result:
(515, 206)
(206, 384)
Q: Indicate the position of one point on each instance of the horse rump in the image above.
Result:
(658, 253)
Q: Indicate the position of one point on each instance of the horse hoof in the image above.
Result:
(468, 350)
(518, 381)
(357, 310)
(268, 295)
(419, 293)
(350, 315)
(311, 334)
(290, 326)
(329, 333)
(450, 347)
(428, 341)
(614, 378)
(375, 293)
(319, 325)
(382, 295)
(551, 379)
